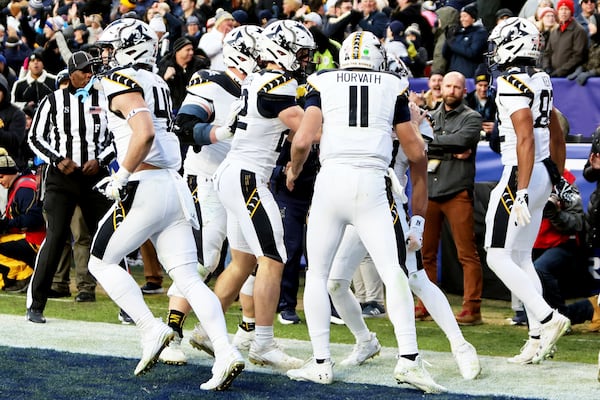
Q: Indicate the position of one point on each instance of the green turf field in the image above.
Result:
(495, 337)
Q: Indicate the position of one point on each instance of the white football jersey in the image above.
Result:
(164, 152)
(358, 113)
(214, 91)
(260, 133)
(520, 88)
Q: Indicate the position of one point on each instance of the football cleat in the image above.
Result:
(467, 361)
(173, 354)
(363, 351)
(200, 341)
(153, 342)
(551, 332)
(225, 370)
(243, 339)
(312, 371)
(272, 356)
(414, 373)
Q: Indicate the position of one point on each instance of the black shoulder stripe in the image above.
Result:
(124, 80)
(273, 83)
(201, 76)
(230, 86)
(221, 79)
(196, 80)
(521, 86)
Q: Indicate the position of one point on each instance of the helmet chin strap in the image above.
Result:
(84, 92)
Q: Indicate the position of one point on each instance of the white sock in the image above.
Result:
(123, 290)
(263, 335)
(437, 304)
(204, 302)
(348, 308)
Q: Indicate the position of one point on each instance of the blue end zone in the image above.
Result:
(47, 374)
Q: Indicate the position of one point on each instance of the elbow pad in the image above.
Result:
(201, 133)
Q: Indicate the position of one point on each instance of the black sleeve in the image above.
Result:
(270, 105)
(27, 210)
(312, 98)
(401, 110)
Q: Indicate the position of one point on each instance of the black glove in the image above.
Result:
(3, 225)
(184, 128)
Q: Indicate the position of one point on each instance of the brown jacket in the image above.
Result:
(566, 50)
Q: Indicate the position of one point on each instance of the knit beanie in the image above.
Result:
(397, 29)
(130, 4)
(181, 43)
(545, 10)
(566, 3)
(7, 164)
(222, 15)
(471, 9)
(240, 16)
(482, 74)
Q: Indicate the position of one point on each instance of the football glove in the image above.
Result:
(114, 186)
(228, 128)
(521, 208)
(414, 237)
(397, 187)
(184, 128)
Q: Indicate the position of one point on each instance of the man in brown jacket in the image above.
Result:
(567, 46)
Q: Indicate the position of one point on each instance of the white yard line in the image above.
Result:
(549, 380)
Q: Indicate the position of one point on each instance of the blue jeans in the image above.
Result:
(551, 266)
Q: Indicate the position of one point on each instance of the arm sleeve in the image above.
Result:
(29, 210)
(270, 105)
(39, 134)
(570, 218)
(401, 110)
(464, 138)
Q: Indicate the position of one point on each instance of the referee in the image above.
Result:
(69, 133)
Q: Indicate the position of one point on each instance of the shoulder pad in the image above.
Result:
(125, 80)
(201, 76)
(277, 80)
(217, 77)
(514, 81)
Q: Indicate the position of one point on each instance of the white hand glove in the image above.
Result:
(113, 186)
(426, 130)
(521, 209)
(397, 188)
(421, 118)
(228, 128)
(414, 237)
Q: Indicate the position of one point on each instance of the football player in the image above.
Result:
(151, 201)
(357, 106)
(533, 154)
(254, 226)
(206, 107)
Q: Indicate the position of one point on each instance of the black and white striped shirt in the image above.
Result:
(63, 127)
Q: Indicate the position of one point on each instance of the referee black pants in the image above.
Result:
(62, 194)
